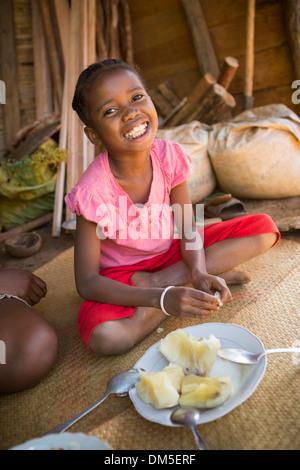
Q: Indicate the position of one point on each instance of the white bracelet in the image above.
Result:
(162, 300)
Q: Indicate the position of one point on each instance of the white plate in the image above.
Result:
(244, 378)
(64, 441)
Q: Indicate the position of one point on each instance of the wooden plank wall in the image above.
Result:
(164, 50)
(24, 80)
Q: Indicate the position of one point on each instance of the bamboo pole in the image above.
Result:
(249, 59)
(43, 89)
(63, 18)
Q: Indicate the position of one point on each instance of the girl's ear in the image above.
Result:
(92, 136)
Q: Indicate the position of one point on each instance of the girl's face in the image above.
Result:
(121, 114)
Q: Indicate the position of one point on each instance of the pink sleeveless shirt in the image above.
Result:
(130, 233)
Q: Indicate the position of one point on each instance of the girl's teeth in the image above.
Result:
(136, 132)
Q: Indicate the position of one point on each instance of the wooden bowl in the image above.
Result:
(23, 244)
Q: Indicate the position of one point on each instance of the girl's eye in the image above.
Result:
(109, 111)
(137, 97)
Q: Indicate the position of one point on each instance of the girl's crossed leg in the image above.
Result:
(118, 336)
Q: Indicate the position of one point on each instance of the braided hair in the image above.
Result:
(89, 76)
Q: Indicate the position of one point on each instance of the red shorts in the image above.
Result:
(91, 314)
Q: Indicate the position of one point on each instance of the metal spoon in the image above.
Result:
(186, 416)
(119, 384)
(245, 357)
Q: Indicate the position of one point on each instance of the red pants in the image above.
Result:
(91, 314)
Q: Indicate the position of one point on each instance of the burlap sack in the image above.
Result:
(257, 154)
(193, 137)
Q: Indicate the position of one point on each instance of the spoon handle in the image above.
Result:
(282, 350)
(198, 439)
(64, 426)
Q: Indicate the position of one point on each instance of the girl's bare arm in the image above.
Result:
(182, 301)
(192, 247)
(91, 286)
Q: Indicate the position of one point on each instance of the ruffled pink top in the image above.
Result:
(130, 233)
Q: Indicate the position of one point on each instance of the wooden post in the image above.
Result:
(227, 72)
(292, 19)
(89, 57)
(249, 59)
(62, 11)
(62, 16)
(128, 32)
(192, 102)
(12, 117)
(163, 106)
(114, 30)
(102, 53)
(75, 128)
(43, 88)
(166, 89)
(53, 53)
(205, 53)
(213, 105)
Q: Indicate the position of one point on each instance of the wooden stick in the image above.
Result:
(53, 53)
(249, 59)
(107, 14)
(114, 32)
(174, 112)
(102, 53)
(62, 16)
(166, 89)
(213, 105)
(11, 110)
(205, 53)
(129, 58)
(42, 81)
(61, 170)
(89, 57)
(44, 219)
(292, 19)
(163, 106)
(63, 19)
(75, 130)
(193, 100)
(228, 71)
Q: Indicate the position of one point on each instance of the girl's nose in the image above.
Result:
(130, 113)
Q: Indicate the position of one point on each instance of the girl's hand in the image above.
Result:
(211, 284)
(23, 284)
(189, 302)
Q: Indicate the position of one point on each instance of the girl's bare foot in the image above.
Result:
(179, 276)
(233, 277)
(175, 275)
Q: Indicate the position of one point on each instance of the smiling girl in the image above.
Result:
(128, 266)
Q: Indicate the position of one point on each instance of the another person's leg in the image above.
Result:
(30, 346)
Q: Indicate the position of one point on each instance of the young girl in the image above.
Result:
(128, 266)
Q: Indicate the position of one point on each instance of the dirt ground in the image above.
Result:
(285, 213)
(51, 247)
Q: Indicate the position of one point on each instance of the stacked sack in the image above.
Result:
(194, 138)
(256, 155)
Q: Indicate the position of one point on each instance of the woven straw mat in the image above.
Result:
(268, 306)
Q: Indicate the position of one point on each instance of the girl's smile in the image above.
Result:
(137, 131)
